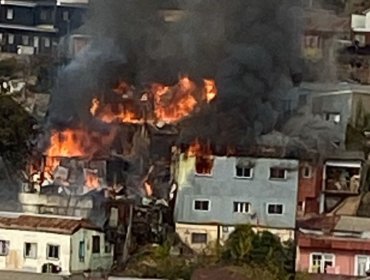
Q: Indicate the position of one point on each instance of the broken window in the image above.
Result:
(96, 244)
(333, 117)
(4, 247)
(204, 165)
(201, 205)
(81, 251)
(276, 209)
(243, 172)
(53, 252)
(307, 172)
(241, 207)
(320, 262)
(277, 173)
(342, 178)
(30, 250)
(199, 238)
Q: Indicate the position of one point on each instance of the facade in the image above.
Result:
(52, 244)
(334, 245)
(212, 199)
(35, 27)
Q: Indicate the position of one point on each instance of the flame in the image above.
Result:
(51, 163)
(92, 180)
(122, 115)
(94, 106)
(174, 103)
(78, 143)
(148, 189)
(210, 90)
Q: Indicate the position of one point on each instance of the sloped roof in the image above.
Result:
(45, 223)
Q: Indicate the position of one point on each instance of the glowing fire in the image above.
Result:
(92, 180)
(210, 90)
(148, 189)
(122, 114)
(77, 143)
(174, 103)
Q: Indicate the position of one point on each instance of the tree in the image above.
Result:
(15, 131)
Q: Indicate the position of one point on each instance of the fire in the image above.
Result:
(78, 143)
(92, 180)
(198, 148)
(51, 163)
(174, 103)
(94, 106)
(148, 189)
(122, 114)
(210, 90)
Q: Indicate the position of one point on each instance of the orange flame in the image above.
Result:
(92, 180)
(174, 103)
(148, 189)
(210, 90)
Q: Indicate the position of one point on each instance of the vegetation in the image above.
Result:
(248, 254)
(15, 131)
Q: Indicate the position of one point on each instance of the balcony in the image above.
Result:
(341, 179)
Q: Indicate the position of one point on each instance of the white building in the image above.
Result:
(52, 244)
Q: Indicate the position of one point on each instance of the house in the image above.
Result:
(216, 193)
(334, 244)
(34, 27)
(52, 244)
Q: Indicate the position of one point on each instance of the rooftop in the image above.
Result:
(44, 223)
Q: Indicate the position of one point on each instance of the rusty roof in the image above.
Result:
(45, 223)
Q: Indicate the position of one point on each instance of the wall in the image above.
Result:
(343, 259)
(15, 259)
(309, 188)
(360, 108)
(222, 189)
(92, 261)
(21, 15)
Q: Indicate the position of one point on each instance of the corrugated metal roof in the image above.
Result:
(45, 223)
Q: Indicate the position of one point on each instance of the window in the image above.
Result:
(30, 250)
(81, 251)
(204, 165)
(361, 39)
(243, 172)
(9, 13)
(362, 265)
(107, 246)
(199, 238)
(201, 205)
(96, 244)
(277, 173)
(36, 42)
(320, 262)
(52, 252)
(25, 40)
(10, 39)
(66, 16)
(4, 247)
(275, 209)
(241, 207)
(333, 117)
(312, 42)
(307, 172)
(46, 42)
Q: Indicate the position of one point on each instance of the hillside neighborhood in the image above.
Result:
(185, 139)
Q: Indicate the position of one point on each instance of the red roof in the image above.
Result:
(52, 224)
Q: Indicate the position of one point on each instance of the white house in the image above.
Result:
(52, 244)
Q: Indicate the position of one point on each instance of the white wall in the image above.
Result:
(15, 259)
(91, 261)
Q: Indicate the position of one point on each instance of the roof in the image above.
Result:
(353, 224)
(28, 28)
(44, 223)
(326, 21)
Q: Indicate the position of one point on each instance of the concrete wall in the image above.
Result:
(93, 261)
(15, 259)
(222, 188)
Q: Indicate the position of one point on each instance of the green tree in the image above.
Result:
(15, 131)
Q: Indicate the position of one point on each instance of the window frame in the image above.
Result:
(5, 243)
(9, 13)
(92, 244)
(322, 268)
(107, 244)
(241, 206)
(48, 246)
(202, 200)
(82, 254)
(275, 214)
(12, 40)
(25, 251)
(199, 234)
(46, 42)
(357, 263)
(197, 174)
(251, 169)
(278, 178)
(66, 15)
(310, 171)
